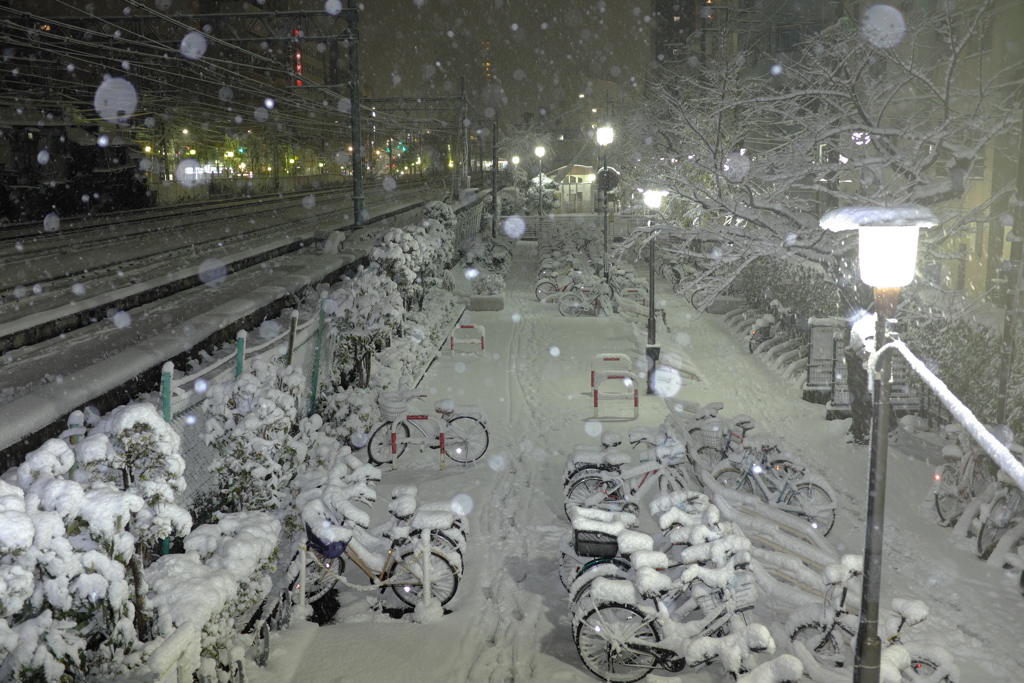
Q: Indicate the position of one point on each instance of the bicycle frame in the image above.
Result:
(631, 485)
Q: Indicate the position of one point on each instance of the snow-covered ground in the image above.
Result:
(509, 618)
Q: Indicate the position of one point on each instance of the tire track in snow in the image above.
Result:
(509, 644)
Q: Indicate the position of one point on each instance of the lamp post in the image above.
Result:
(539, 151)
(652, 199)
(888, 255)
(605, 135)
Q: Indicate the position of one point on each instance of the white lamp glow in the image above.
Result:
(652, 198)
(540, 151)
(515, 160)
(888, 240)
(605, 135)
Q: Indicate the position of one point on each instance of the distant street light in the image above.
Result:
(888, 256)
(515, 160)
(652, 199)
(605, 135)
(539, 151)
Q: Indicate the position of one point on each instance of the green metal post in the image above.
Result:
(240, 352)
(165, 389)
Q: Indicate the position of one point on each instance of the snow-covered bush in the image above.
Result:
(250, 420)
(366, 311)
(352, 412)
(65, 602)
(142, 457)
(488, 284)
(550, 187)
(511, 199)
(224, 573)
(442, 213)
(415, 257)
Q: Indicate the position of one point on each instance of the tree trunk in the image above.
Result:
(141, 627)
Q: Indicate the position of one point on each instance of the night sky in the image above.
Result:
(543, 54)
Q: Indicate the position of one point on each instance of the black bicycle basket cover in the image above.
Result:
(328, 550)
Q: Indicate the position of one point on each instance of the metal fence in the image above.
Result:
(308, 346)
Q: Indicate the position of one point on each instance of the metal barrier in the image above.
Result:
(307, 346)
(453, 340)
(609, 358)
(628, 378)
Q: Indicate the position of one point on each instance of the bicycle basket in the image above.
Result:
(709, 602)
(595, 544)
(392, 406)
(328, 550)
(712, 435)
(742, 591)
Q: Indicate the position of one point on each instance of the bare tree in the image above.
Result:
(754, 149)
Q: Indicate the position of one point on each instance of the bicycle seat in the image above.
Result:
(744, 422)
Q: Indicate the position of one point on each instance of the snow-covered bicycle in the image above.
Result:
(822, 634)
(625, 489)
(781, 483)
(460, 432)
(419, 550)
(626, 628)
(965, 473)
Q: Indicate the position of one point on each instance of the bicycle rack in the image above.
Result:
(467, 340)
(627, 292)
(627, 378)
(609, 358)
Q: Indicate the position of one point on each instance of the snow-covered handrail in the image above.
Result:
(178, 654)
(999, 453)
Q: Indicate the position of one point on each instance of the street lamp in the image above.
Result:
(652, 199)
(605, 135)
(539, 151)
(888, 256)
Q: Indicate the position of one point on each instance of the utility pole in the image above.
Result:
(352, 16)
(1013, 282)
(494, 179)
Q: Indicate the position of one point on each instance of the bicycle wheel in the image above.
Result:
(406, 578)
(570, 305)
(321, 575)
(988, 537)
(822, 643)
(544, 287)
(606, 639)
(948, 503)
(465, 439)
(704, 458)
(729, 476)
(674, 480)
(926, 664)
(379, 447)
(579, 587)
(815, 505)
(582, 490)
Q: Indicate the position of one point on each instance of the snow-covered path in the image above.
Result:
(508, 621)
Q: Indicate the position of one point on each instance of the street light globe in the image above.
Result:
(887, 240)
(539, 151)
(652, 198)
(515, 160)
(605, 135)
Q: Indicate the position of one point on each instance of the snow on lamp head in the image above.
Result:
(605, 135)
(888, 240)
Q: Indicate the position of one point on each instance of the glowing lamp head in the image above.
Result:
(605, 135)
(887, 240)
(652, 198)
(515, 160)
(540, 151)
